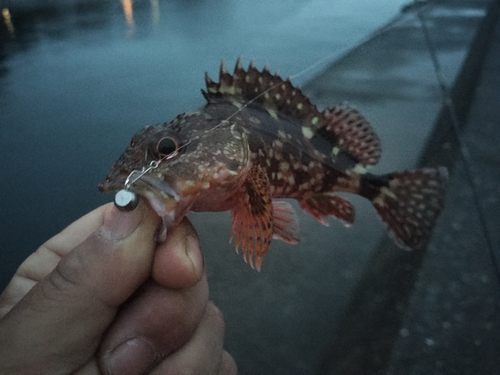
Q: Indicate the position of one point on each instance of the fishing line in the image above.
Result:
(126, 199)
(294, 76)
(464, 150)
(300, 73)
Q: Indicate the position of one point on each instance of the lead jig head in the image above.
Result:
(126, 200)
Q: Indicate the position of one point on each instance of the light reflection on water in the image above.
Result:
(128, 11)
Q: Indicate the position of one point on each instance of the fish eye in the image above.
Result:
(167, 147)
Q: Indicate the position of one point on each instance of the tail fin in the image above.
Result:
(408, 202)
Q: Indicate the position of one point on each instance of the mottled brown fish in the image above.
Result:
(259, 138)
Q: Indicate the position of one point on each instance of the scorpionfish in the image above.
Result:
(258, 139)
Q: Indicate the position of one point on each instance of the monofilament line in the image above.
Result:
(294, 76)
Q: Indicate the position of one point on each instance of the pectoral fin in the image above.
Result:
(286, 223)
(253, 218)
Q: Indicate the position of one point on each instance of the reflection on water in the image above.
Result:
(8, 21)
(155, 12)
(129, 13)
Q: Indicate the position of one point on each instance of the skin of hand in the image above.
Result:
(102, 297)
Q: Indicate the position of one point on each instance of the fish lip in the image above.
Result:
(160, 195)
(163, 199)
(161, 185)
(111, 186)
(138, 186)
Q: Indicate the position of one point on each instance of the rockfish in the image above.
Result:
(258, 139)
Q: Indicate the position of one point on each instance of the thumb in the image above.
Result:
(58, 325)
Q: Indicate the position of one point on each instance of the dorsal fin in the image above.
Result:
(343, 127)
(354, 133)
(264, 88)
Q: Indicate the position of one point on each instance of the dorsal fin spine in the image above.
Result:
(223, 69)
(238, 65)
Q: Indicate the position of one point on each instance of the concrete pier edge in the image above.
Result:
(372, 320)
(461, 93)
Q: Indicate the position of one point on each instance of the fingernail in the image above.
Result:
(119, 224)
(133, 357)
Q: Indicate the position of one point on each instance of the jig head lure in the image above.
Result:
(126, 199)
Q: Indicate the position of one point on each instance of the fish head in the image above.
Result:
(184, 163)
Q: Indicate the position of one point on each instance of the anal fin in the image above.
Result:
(320, 206)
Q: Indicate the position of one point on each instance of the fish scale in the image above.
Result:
(259, 139)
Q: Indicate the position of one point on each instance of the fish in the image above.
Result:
(259, 140)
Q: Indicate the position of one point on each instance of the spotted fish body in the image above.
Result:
(259, 138)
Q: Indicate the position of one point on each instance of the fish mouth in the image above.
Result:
(140, 185)
(168, 203)
(159, 192)
(162, 198)
(161, 186)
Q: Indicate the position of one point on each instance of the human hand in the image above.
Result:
(102, 297)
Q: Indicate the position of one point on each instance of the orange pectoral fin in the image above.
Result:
(253, 218)
(320, 206)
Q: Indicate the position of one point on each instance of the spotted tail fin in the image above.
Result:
(408, 202)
